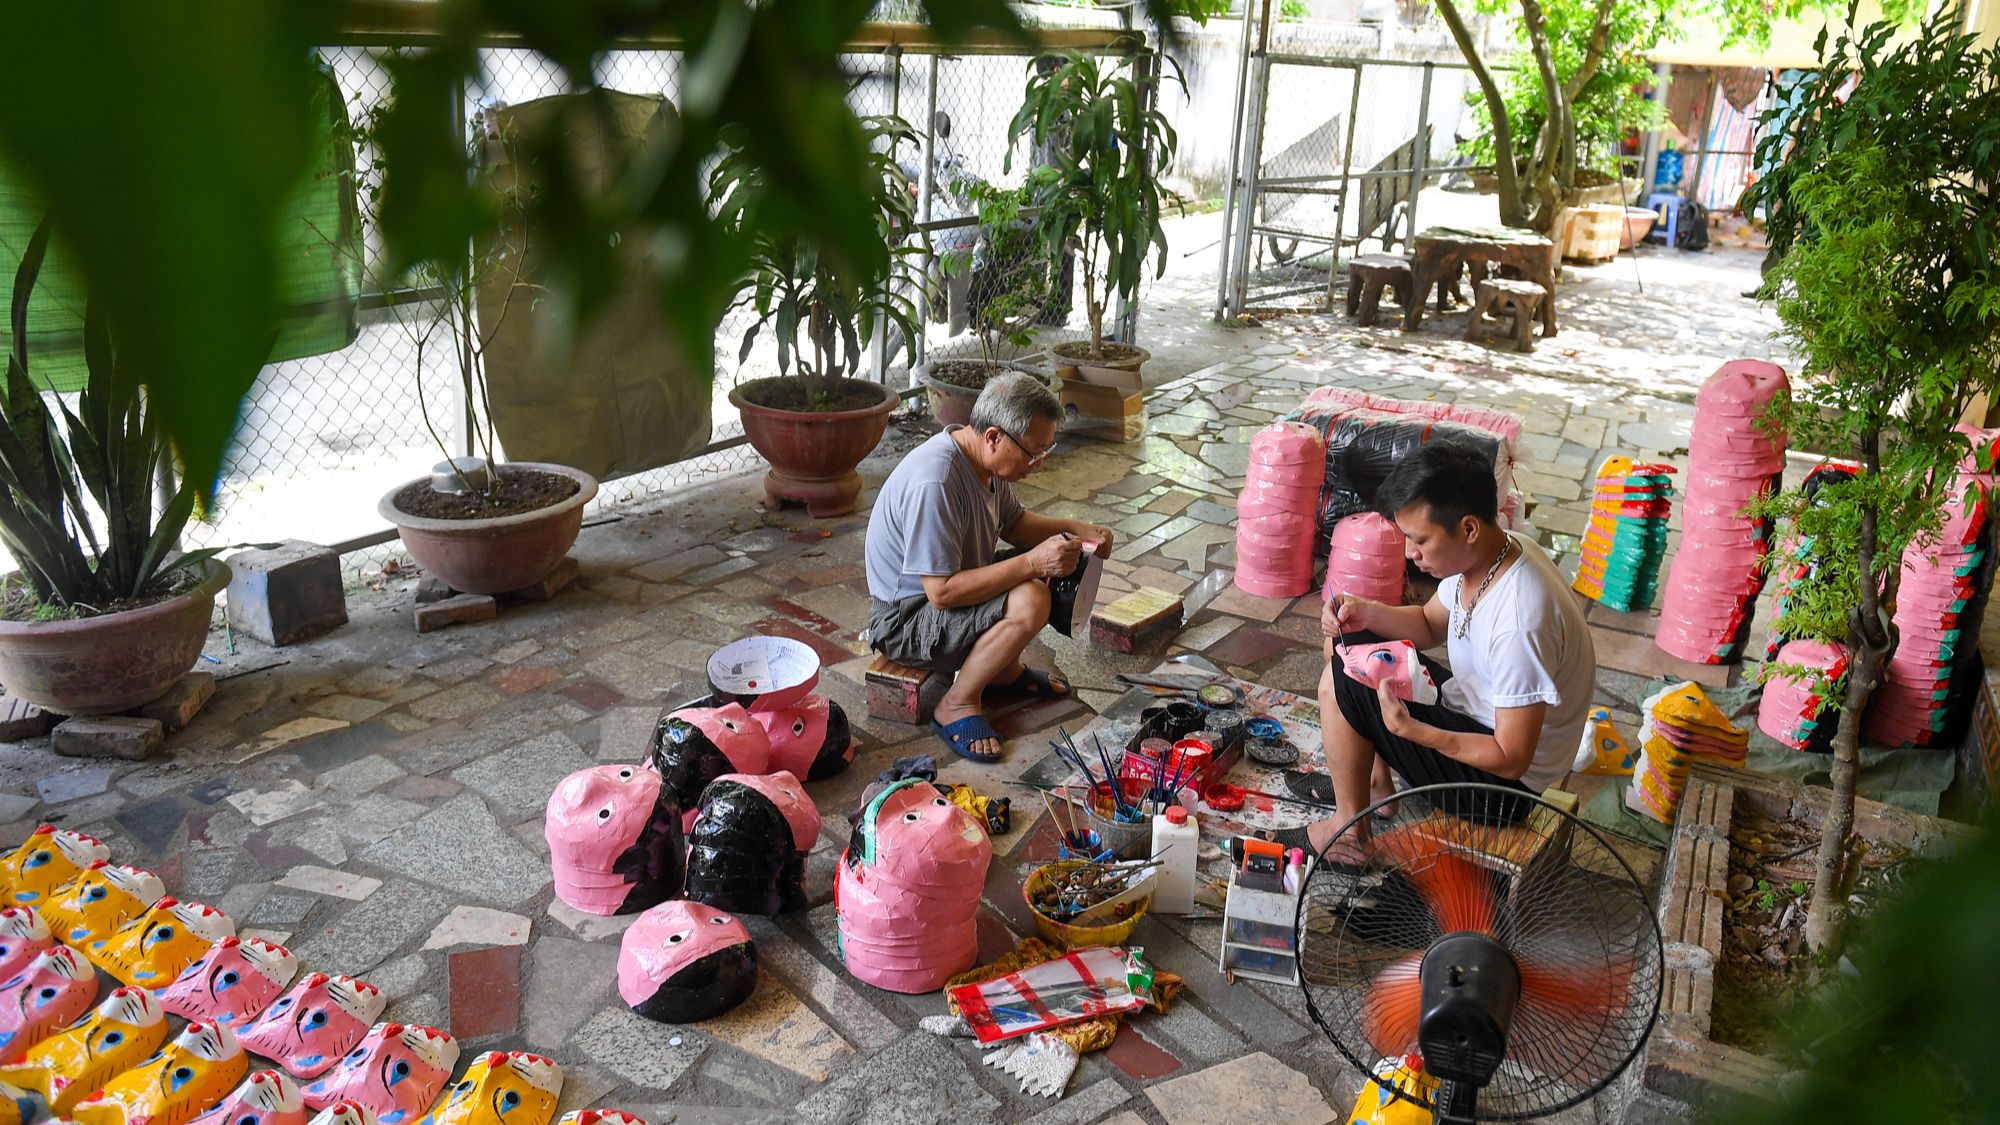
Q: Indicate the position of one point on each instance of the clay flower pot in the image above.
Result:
(813, 453)
(1077, 352)
(497, 555)
(951, 404)
(113, 662)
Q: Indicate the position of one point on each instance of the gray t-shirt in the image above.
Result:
(933, 516)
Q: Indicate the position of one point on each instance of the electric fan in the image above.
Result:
(1491, 934)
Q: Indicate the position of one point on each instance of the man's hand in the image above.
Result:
(1096, 533)
(1395, 717)
(1346, 614)
(1055, 556)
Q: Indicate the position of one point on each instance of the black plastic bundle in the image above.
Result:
(704, 987)
(1364, 445)
(687, 758)
(656, 863)
(741, 856)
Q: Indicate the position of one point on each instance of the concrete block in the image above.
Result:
(183, 701)
(115, 736)
(565, 572)
(431, 588)
(20, 719)
(456, 611)
(287, 594)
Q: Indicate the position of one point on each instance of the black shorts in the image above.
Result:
(1421, 765)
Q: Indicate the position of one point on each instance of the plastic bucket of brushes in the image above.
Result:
(1066, 895)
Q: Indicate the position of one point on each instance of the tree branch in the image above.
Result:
(1511, 211)
(1593, 54)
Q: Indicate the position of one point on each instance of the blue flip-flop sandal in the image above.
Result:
(961, 734)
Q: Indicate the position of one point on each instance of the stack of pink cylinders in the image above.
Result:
(1278, 511)
(1911, 704)
(1800, 710)
(1365, 559)
(1713, 586)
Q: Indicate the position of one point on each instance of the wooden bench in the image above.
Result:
(1498, 296)
(896, 693)
(1367, 276)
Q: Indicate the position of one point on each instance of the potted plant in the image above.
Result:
(1883, 230)
(103, 615)
(1011, 285)
(814, 421)
(1106, 148)
(480, 525)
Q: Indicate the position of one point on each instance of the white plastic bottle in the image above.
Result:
(1176, 838)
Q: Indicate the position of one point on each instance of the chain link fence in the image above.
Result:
(321, 439)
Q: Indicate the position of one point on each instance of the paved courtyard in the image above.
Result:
(374, 799)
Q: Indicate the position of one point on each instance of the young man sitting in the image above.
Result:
(944, 598)
(1511, 709)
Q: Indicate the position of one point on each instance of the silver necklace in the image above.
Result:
(1465, 614)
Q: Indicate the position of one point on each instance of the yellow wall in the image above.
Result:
(1983, 16)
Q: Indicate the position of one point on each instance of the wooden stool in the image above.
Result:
(896, 693)
(1366, 276)
(1498, 295)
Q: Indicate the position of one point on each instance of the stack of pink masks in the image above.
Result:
(906, 892)
(1939, 587)
(1365, 559)
(1713, 586)
(1275, 514)
(1802, 710)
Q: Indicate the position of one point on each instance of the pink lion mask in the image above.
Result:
(1394, 663)
(396, 1073)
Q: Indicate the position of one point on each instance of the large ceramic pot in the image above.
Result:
(113, 662)
(951, 404)
(1068, 356)
(813, 453)
(497, 555)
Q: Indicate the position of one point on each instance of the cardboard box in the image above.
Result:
(1104, 400)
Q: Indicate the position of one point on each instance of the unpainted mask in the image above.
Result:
(615, 840)
(683, 962)
(810, 739)
(747, 851)
(906, 891)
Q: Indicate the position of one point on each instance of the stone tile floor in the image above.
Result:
(374, 798)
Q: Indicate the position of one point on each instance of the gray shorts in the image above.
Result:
(915, 633)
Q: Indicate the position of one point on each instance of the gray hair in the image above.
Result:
(1014, 401)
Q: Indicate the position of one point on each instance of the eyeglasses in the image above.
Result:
(1033, 458)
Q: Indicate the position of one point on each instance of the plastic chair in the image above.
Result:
(1665, 231)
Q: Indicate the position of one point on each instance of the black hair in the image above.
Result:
(1452, 479)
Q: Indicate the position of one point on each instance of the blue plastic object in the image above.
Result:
(1667, 172)
(1666, 207)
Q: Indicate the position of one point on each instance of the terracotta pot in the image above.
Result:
(115, 662)
(498, 555)
(951, 404)
(1068, 356)
(813, 453)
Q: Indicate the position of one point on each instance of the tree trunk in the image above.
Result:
(1545, 165)
(1511, 209)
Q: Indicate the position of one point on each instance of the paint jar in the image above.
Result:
(1184, 718)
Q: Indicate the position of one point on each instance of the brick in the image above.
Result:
(485, 991)
(1132, 1053)
(116, 736)
(183, 701)
(552, 583)
(21, 719)
(456, 610)
(1695, 1070)
(431, 588)
(287, 594)
(895, 692)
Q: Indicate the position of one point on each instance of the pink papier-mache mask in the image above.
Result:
(267, 1097)
(747, 852)
(97, 902)
(695, 745)
(195, 1070)
(397, 1072)
(615, 839)
(600, 1117)
(345, 1113)
(232, 983)
(316, 1024)
(906, 891)
(1394, 663)
(682, 962)
(24, 936)
(810, 739)
(49, 858)
(50, 993)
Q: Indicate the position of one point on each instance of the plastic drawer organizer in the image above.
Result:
(1259, 931)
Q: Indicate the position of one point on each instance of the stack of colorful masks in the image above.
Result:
(1713, 585)
(906, 891)
(1365, 559)
(748, 849)
(1274, 515)
(1627, 536)
(1680, 725)
(1937, 604)
(1798, 560)
(1802, 708)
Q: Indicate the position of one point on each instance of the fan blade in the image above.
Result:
(1389, 1015)
(1459, 892)
(1573, 994)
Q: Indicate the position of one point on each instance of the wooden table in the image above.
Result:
(1441, 251)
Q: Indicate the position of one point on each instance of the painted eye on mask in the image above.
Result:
(317, 1019)
(509, 1100)
(941, 802)
(625, 774)
(604, 813)
(112, 1039)
(676, 939)
(912, 817)
(37, 860)
(798, 728)
(718, 920)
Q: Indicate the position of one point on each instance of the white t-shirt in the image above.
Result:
(1528, 643)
